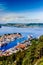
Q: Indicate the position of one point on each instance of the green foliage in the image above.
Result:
(25, 57)
(41, 39)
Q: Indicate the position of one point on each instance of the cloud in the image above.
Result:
(26, 17)
(2, 7)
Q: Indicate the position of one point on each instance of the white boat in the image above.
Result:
(18, 43)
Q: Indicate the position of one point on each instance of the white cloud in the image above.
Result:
(2, 7)
(22, 17)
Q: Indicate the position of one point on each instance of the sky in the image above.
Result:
(21, 11)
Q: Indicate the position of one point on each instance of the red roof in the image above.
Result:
(21, 46)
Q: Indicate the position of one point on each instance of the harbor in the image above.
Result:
(11, 43)
(17, 39)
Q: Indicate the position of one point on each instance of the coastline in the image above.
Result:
(18, 39)
(24, 43)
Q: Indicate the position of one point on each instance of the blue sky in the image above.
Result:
(22, 5)
(21, 10)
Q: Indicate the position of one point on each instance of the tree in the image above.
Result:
(39, 50)
(41, 38)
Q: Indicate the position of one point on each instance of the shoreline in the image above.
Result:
(16, 48)
(6, 38)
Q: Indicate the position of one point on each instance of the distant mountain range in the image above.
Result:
(22, 24)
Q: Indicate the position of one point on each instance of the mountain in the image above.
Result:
(22, 24)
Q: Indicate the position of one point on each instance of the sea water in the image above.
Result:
(35, 31)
